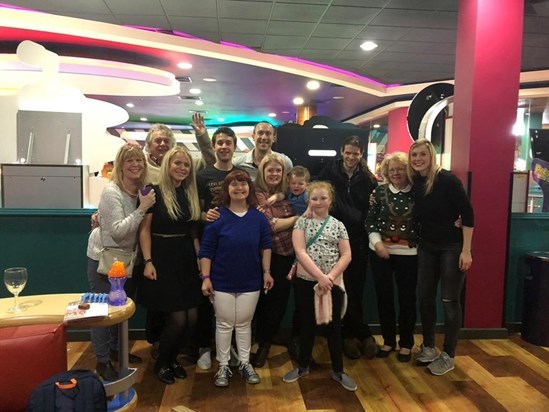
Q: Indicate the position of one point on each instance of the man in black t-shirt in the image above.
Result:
(210, 179)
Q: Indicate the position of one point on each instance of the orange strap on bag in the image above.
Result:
(70, 385)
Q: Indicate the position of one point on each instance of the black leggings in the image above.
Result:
(305, 299)
(175, 325)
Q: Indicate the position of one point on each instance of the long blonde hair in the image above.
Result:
(433, 167)
(167, 188)
(260, 182)
(126, 152)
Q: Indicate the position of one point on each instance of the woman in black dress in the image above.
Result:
(168, 237)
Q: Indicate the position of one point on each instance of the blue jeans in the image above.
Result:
(440, 262)
(103, 339)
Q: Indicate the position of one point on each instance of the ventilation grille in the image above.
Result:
(184, 79)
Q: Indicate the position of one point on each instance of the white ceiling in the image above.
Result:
(416, 41)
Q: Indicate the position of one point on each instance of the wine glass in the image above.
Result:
(15, 280)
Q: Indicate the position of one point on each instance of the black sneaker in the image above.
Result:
(260, 356)
(106, 371)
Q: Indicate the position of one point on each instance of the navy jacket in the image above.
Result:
(352, 195)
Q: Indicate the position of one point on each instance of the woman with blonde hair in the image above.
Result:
(120, 220)
(271, 179)
(393, 255)
(168, 238)
(444, 251)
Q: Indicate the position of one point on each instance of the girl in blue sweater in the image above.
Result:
(235, 257)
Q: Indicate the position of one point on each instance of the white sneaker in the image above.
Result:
(204, 361)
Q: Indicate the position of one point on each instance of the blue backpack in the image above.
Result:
(71, 391)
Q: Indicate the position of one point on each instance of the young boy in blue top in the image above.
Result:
(299, 178)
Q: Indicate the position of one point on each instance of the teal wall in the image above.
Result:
(528, 232)
(52, 245)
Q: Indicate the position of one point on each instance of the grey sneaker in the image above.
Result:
(441, 365)
(204, 361)
(345, 380)
(426, 355)
(234, 360)
(222, 376)
(295, 374)
(247, 371)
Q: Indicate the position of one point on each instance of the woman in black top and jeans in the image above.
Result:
(444, 251)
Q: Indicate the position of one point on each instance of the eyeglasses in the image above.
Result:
(397, 170)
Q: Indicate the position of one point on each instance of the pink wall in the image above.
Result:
(488, 55)
(398, 139)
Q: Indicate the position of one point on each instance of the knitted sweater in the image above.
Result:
(233, 244)
(119, 222)
(390, 220)
(438, 211)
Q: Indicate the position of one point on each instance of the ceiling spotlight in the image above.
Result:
(185, 65)
(199, 102)
(143, 119)
(285, 112)
(377, 126)
(368, 45)
(313, 85)
(298, 100)
(130, 105)
(195, 91)
(272, 114)
(338, 97)
(209, 79)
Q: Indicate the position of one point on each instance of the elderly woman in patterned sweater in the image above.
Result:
(393, 255)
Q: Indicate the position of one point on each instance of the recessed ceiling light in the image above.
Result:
(184, 65)
(377, 126)
(285, 112)
(313, 85)
(130, 105)
(338, 97)
(209, 79)
(199, 102)
(220, 119)
(272, 114)
(298, 100)
(143, 119)
(368, 45)
(195, 91)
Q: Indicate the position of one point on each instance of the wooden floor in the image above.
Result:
(490, 375)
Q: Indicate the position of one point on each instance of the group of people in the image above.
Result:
(228, 238)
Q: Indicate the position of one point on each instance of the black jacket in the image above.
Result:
(352, 195)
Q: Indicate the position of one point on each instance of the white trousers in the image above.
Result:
(234, 311)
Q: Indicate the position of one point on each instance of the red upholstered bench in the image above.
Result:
(28, 355)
